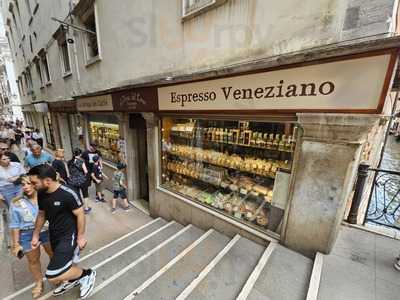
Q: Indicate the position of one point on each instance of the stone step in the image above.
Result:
(285, 276)
(102, 255)
(137, 271)
(224, 279)
(172, 282)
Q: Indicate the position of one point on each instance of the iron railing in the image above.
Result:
(384, 200)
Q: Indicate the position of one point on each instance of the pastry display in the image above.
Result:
(106, 136)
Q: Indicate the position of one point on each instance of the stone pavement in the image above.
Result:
(102, 228)
(361, 267)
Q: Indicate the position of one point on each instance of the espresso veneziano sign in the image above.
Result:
(356, 84)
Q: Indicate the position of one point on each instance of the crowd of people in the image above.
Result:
(47, 199)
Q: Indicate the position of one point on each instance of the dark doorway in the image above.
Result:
(137, 122)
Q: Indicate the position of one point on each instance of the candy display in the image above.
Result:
(106, 136)
(229, 166)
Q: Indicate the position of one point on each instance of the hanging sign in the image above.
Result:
(355, 84)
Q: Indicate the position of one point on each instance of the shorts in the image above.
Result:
(121, 194)
(100, 187)
(25, 239)
(65, 253)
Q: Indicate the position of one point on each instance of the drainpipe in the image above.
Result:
(355, 205)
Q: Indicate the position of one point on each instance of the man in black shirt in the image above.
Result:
(88, 156)
(63, 209)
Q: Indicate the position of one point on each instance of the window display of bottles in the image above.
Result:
(106, 136)
(228, 165)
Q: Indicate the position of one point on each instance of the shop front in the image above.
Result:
(47, 125)
(271, 155)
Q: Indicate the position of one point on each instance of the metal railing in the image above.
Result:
(384, 200)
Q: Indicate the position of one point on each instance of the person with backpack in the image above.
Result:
(98, 177)
(79, 178)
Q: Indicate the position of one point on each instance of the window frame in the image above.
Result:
(44, 60)
(92, 10)
(65, 58)
(188, 14)
(39, 71)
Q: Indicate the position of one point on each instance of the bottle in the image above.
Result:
(270, 141)
(230, 136)
(275, 143)
(282, 143)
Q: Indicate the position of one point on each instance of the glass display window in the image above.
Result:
(106, 136)
(235, 167)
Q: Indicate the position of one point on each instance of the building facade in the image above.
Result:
(114, 73)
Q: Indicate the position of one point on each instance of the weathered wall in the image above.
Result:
(149, 38)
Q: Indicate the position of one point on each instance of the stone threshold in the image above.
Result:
(379, 230)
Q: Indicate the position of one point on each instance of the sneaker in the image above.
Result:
(87, 210)
(113, 210)
(87, 284)
(396, 265)
(102, 200)
(97, 199)
(128, 208)
(65, 287)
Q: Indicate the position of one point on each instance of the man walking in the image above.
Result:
(37, 157)
(63, 209)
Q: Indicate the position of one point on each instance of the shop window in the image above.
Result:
(64, 53)
(238, 168)
(49, 131)
(106, 136)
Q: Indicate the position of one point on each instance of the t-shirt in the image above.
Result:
(60, 168)
(32, 161)
(117, 179)
(88, 157)
(58, 207)
(13, 170)
(98, 172)
(23, 214)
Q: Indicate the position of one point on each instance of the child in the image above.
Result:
(98, 177)
(119, 187)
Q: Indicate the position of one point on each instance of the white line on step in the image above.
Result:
(245, 292)
(21, 291)
(119, 253)
(168, 266)
(189, 289)
(143, 257)
(315, 279)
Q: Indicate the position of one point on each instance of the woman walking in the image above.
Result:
(80, 178)
(23, 214)
(9, 173)
(61, 166)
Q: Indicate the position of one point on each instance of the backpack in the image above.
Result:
(77, 175)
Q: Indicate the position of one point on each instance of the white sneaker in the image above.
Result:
(65, 287)
(87, 284)
(396, 265)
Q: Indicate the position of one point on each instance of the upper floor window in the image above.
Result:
(87, 14)
(45, 67)
(39, 71)
(191, 8)
(28, 7)
(61, 36)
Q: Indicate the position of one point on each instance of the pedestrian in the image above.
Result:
(79, 178)
(23, 213)
(37, 136)
(62, 208)
(119, 188)
(98, 177)
(37, 157)
(60, 165)
(5, 149)
(10, 188)
(88, 155)
(18, 137)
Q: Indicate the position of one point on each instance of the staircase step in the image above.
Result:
(227, 277)
(285, 277)
(171, 283)
(109, 267)
(137, 271)
(100, 255)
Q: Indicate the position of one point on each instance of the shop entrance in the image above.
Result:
(138, 123)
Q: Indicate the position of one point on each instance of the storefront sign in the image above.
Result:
(136, 100)
(357, 84)
(97, 103)
(63, 106)
(41, 107)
